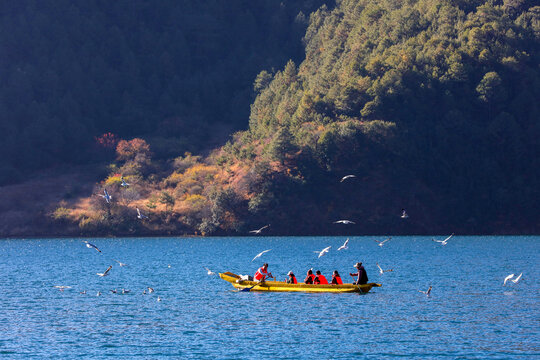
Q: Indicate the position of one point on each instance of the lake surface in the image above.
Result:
(469, 314)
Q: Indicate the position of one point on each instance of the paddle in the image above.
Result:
(249, 288)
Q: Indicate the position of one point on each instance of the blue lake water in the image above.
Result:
(469, 314)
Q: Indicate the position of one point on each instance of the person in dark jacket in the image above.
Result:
(292, 278)
(336, 279)
(361, 274)
(310, 277)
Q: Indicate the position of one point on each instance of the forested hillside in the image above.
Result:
(431, 105)
(178, 73)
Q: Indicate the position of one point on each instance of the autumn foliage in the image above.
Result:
(128, 150)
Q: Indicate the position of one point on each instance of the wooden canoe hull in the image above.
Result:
(278, 286)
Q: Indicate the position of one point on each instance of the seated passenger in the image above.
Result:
(320, 279)
(336, 279)
(292, 278)
(310, 277)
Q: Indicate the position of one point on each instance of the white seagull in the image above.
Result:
(106, 272)
(323, 251)
(120, 263)
(509, 277)
(344, 246)
(258, 231)
(426, 292)
(381, 243)
(140, 215)
(107, 197)
(158, 298)
(404, 214)
(346, 222)
(62, 287)
(150, 290)
(90, 246)
(124, 183)
(381, 271)
(347, 177)
(260, 254)
(210, 272)
(445, 241)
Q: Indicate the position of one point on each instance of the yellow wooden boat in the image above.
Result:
(280, 286)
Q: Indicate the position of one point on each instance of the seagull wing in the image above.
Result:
(107, 271)
(448, 238)
(379, 267)
(138, 212)
(260, 254)
(508, 278)
(517, 279)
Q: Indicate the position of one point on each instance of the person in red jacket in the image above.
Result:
(336, 279)
(262, 273)
(310, 277)
(292, 278)
(320, 279)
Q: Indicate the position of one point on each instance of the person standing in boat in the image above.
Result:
(319, 278)
(262, 273)
(361, 274)
(292, 278)
(336, 279)
(310, 277)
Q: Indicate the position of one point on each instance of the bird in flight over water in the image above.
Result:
(258, 231)
(210, 272)
(345, 245)
(106, 272)
(346, 222)
(509, 278)
(323, 251)
(427, 292)
(445, 241)
(260, 254)
(120, 263)
(381, 243)
(91, 246)
(381, 271)
(347, 177)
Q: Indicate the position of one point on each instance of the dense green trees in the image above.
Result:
(168, 70)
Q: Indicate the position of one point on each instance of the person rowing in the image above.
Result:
(361, 274)
(262, 273)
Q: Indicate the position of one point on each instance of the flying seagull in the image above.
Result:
(124, 183)
(258, 231)
(107, 197)
(260, 254)
(158, 298)
(210, 272)
(347, 177)
(346, 222)
(381, 271)
(509, 277)
(120, 263)
(445, 241)
(140, 215)
(426, 292)
(381, 243)
(344, 246)
(404, 214)
(62, 287)
(106, 272)
(150, 290)
(90, 246)
(323, 251)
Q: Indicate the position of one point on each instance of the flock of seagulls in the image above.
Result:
(107, 273)
(108, 198)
